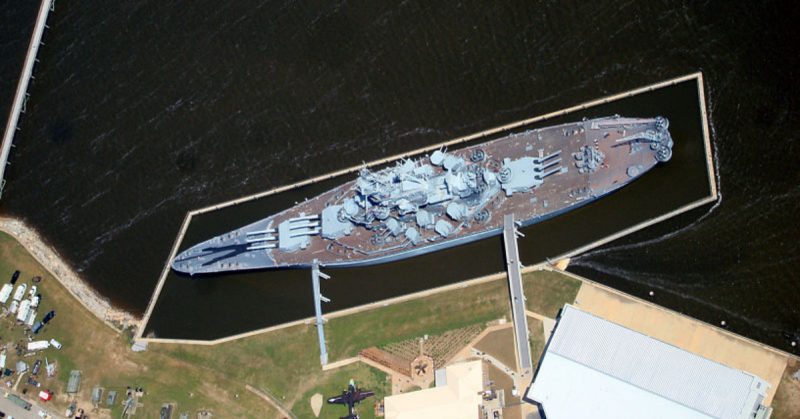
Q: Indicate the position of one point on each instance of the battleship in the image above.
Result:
(444, 199)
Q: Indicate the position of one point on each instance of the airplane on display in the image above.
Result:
(351, 397)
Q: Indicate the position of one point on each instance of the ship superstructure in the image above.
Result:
(444, 199)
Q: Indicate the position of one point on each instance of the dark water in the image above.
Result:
(144, 110)
(16, 27)
(268, 298)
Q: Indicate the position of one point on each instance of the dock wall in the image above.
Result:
(713, 196)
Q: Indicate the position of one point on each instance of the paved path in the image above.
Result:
(496, 362)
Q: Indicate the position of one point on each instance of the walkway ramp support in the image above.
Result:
(514, 268)
(318, 299)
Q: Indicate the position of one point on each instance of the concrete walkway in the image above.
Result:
(514, 268)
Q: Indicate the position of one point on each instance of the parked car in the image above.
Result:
(49, 316)
(36, 367)
(54, 343)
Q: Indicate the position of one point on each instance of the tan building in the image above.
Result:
(457, 396)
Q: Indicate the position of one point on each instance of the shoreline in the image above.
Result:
(88, 297)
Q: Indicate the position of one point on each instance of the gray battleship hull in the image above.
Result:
(443, 200)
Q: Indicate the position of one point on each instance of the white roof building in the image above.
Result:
(593, 368)
(458, 396)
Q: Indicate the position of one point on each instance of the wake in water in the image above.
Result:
(580, 259)
(659, 282)
(668, 287)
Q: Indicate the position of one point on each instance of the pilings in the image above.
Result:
(318, 299)
(21, 96)
(514, 268)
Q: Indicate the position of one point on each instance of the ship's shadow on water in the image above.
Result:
(215, 306)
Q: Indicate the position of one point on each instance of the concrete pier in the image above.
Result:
(21, 96)
(318, 299)
(514, 270)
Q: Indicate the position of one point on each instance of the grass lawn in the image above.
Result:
(546, 292)
(430, 315)
(104, 356)
(336, 381)
(537, 341)
(284, 362)
(500, 345)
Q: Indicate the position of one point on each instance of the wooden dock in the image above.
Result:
(21, 95)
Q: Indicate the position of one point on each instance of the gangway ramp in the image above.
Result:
(513, 269)
(318, 299)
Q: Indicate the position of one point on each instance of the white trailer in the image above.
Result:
(5, 293)
(35, 301)
(31, 317)
(20, 292)
(12, 308)
(38, 345)
(24, 309)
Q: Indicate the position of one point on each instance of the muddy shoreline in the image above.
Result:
(99, 306)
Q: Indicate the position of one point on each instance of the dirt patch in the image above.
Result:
(500, 345)
(215, 393)
(316, 404)
(786, 403)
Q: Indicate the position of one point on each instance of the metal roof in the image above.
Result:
(598, 351)
(74, 382)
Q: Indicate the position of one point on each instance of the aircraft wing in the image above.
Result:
(363, 395)
(337, 400)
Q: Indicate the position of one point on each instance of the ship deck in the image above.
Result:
(560, 191)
